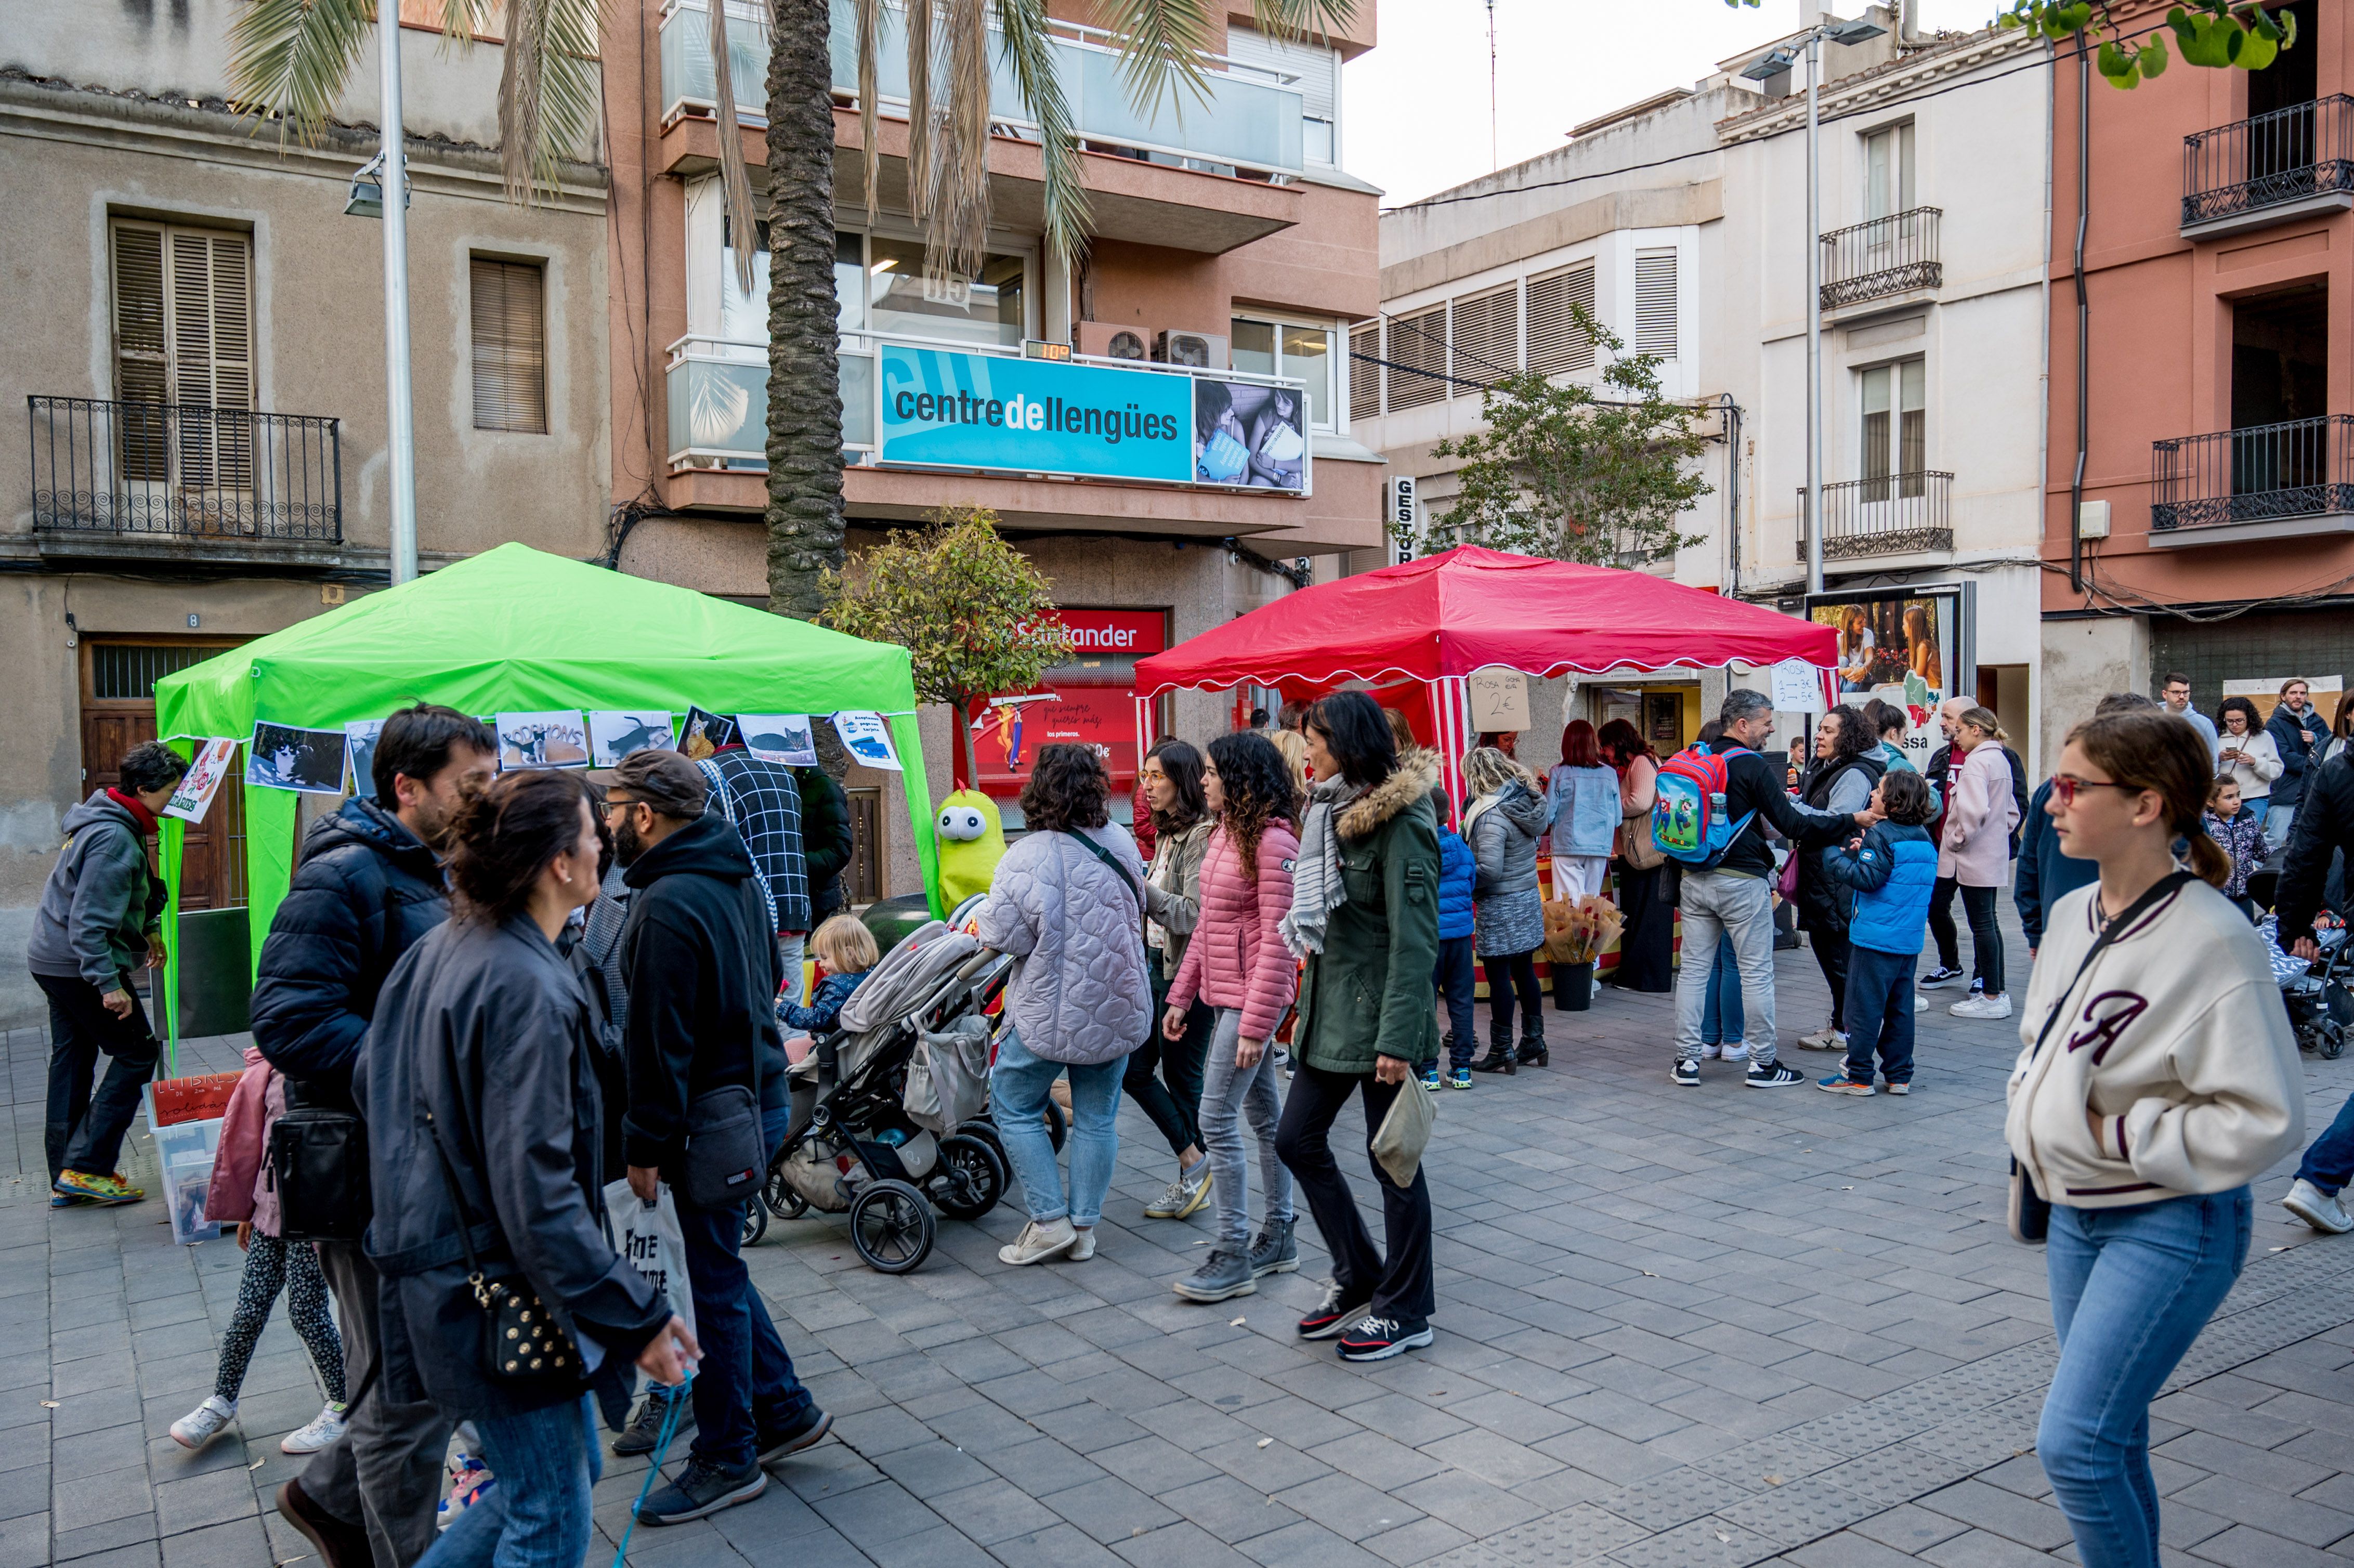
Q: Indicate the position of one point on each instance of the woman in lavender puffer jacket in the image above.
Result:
(1238, 964)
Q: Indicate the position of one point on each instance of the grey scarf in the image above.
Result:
(1316, 887)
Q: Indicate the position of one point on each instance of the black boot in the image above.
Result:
(1533, 1046)
(1498, 1058)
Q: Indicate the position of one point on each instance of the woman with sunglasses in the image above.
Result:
(2148, 1092)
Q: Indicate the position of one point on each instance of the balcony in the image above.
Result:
(1250, 125)
(184, 482)
(1894, 514)
(1891, 260)
(2269, 169)
(2267, 481)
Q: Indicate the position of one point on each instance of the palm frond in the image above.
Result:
(870, 30)
(958, 240)
(919, 108)
(462, 20)
(295, 57)
(1022, 24)
(735, 176)
(549, 91)
(1292, 20)
(1162, 45)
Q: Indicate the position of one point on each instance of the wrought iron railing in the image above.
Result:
(1892, 255)
(2305, 150)
(185, 471)
(2301, 468)
(1893, 515)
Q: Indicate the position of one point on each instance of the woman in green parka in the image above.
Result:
(1364, 915)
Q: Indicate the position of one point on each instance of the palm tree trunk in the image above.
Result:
(804, 513)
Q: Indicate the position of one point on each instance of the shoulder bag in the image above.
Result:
(727, 1149)
(2030, 1211)
(318, 1158)
(522, 1342)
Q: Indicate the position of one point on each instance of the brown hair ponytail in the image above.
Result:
(2152, 750)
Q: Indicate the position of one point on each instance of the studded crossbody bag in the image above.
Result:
(521, 1340)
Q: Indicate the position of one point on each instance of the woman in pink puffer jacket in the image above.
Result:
(1238, 965)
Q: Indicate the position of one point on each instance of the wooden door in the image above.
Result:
(118, 713)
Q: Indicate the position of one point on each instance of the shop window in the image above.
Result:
(1894, 435)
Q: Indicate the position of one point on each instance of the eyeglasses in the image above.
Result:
(2066, 785)
(622, 802)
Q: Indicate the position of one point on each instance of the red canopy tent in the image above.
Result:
(1438, 619)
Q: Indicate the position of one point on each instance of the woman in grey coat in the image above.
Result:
(1507, 816)
(483, 1130)
(1068, 901)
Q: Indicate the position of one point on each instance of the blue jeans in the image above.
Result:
(1455, 982)
(746, 1387)
(2278, 820)
(537, 1515)
(1879, 1012)
(2130, 1290)
(2330, 1163)
(1720, 1021)
(1228, 1093)
(1017, 1102)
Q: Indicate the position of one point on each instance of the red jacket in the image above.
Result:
(1235, 959)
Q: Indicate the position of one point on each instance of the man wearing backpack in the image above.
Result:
(1728, 887)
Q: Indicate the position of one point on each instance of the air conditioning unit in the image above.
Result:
(1194, 349)
(1109, 340)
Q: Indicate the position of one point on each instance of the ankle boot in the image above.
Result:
(1498, 1058)
(1532, 1044)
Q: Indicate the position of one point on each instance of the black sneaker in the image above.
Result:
(1379, 1339)
(1686, 1075)
(1338, 1311)
(787, 1441)
(1780, 1075)
(1937, 977)
(644, 1430)
(702, 1490)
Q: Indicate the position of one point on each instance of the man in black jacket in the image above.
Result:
(700, 965)
(1735, 898)
(2299, 733)
(826, 842)
(368, 889)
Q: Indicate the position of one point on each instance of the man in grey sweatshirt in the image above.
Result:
(101, 919)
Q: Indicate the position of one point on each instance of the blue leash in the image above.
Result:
(653, 1469)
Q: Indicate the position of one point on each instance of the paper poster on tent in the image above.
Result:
(1499, 699)
(193, 798)
(778, 737)
(308, 761)
(705, 733)
(359, 745)
(613, 734)
(867, 738)
(555, 739)
(1797, 687)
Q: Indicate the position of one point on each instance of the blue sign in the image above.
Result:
(943, 409)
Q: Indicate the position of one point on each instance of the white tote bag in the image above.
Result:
(647, 1234)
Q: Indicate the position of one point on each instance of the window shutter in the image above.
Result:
(142, 372)
(1364, 376)
(510, 346)
(1557, 345)
(1655, 302)
(1487, 341)
(1418, 359)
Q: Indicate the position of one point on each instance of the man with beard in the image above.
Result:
(368, 886)
(699, 962)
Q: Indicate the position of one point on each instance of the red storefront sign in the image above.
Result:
(1093, 702)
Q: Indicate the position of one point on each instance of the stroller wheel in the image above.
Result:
(2332, 1044)
(779, 1197)
(981, 1128)
(891, 1226)
(756, 1223)
(1058, 1125)
(969, 1179)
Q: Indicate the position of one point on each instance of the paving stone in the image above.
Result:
(1799, 1511)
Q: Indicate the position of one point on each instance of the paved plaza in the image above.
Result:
(1716, 1326)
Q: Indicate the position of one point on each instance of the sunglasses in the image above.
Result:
(2066, 785)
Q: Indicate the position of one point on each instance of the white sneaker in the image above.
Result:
(1038, 1243)
(1982, 1006)
(1736, 1053)
(2308, 1203)
(1084, 1247)
(1920, 1003)
(325, 1428)
(1711, 1052)
(1824, 1040)
(202, 1425)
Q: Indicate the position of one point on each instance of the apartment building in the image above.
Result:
(2213, 530)
(196, 356)
(1231, 256)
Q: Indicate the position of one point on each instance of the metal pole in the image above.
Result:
(1814, 316)
(399, 431)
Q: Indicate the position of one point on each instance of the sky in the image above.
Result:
(1415, 109)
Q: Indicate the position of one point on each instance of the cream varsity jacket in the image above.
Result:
(2176, 1036)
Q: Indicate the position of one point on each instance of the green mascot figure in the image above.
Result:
(972, 842)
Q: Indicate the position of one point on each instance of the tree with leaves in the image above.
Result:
(1597, 472)
(978, 618)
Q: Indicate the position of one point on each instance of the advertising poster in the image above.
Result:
(282, 756)
(1087, 699)
(1249, 435)
(1909, 648)
(202, 782)
(866, 737)
(778, 737)
(557, 739)
(943, 409)
(613, 735)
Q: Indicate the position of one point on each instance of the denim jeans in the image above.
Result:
(792, 950)
(1721, 1019)
(1017, 1102)
(537, 1516)
(1228, 1093)
(745, 1386)
(2328, 1165)
(1880, 1013)
(2278, 820)
(1717, 907)
(85, 1132)
(2130, 1290)
(1455, 982)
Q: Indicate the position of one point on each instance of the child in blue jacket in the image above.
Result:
(1456, 871)
(846, 948)
(1892, 868)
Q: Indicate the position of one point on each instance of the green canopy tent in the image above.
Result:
(515, 631)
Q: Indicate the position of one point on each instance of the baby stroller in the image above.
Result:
(889, 1118)
(2320, 1006)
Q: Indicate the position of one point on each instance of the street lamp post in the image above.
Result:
(399, 428)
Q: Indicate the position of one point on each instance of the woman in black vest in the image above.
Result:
(1846, 767)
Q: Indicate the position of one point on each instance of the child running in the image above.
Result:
(2241, 831)
(242, 1191)
(845, 951)
(1892, 868)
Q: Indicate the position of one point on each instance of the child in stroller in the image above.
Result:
(846, 948)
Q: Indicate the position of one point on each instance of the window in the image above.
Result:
(1317, 68)
(743, 316)
(1895, 436)
(1418, 359)
(1888, 171)
(849, 282)
(988, 308)
(1655, 302)
(510, 346)
(1298, 350)
(184, 335)
(1557, 345)
(1486, 346)
(1365, 375)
